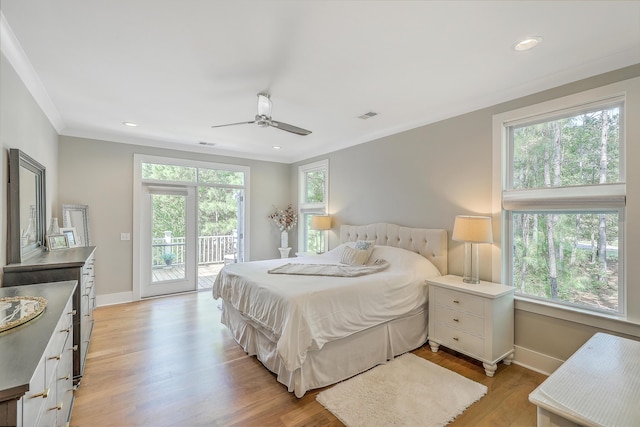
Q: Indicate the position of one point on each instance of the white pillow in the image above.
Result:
(353, 256)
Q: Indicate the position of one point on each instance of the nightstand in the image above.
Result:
(473, 319)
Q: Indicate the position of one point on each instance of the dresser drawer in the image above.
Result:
(64, 386)
(34, 400)
(50, 411)
(61, 337)
(459, 320)
(458, 340)
(460, 301)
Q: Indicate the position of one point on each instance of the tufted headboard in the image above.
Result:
(431, 243)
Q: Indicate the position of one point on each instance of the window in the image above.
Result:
(563, 201)
(313, 184)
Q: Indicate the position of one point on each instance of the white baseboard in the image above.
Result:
(112, 299)
(535, 361)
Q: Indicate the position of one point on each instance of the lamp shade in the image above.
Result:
(472, 229)
(321, 222)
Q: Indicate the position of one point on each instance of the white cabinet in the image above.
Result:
(473, 319)
(36, 360)
(55, 266)
(599, 385)
(48, 401)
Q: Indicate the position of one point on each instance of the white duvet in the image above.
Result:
(302, 313)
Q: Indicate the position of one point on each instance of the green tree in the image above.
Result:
(564, 254)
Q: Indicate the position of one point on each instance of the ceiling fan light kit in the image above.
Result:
(263, 118)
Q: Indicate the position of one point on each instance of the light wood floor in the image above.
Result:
(169, 362)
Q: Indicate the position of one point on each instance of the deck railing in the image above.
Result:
(211, 249)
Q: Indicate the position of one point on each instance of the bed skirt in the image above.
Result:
(337, 360)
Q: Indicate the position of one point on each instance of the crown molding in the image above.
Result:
(12, 50)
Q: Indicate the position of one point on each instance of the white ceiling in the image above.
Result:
(178, 67)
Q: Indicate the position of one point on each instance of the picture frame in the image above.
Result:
(77, 216)
(57, 241)
(70, 232)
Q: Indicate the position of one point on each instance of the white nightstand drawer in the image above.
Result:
(459, 340)
(459, 320)
(460, 301)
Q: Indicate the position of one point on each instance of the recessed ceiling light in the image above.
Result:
(527, 43)
(130, 124)
(276, 147)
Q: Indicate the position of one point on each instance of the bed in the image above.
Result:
(315, 330)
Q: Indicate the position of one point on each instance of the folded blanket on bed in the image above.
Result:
(340, 270)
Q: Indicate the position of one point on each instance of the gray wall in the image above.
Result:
(23, 125)
(426, 176)
(100, 174)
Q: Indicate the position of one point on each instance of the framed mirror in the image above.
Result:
(25, 207)
(77, 216)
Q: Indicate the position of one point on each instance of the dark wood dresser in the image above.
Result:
(36, 360)
(61, 265)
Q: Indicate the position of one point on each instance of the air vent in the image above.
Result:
(368, 115)
(207, 144)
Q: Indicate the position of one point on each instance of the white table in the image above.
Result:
(599, 385)
(473, 319)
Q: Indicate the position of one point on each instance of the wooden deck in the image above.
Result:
(206, 274)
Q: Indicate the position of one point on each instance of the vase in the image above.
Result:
(284, 239)
(54, 228)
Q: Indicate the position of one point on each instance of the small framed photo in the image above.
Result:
(57, 241)
(71, 236)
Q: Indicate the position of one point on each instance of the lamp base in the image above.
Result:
(471, 271)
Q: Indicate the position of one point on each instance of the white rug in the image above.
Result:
(408, 391)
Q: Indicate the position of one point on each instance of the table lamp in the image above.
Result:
(321, 223)
(472, 230)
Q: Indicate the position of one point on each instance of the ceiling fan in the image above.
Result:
(263, 118)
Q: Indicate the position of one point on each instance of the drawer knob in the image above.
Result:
(57, 357)
(456, 339)
(43, 395)
(455, 301)
(65, 378)
(65, 330)
(455, 319)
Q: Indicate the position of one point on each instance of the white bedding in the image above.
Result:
(302, 313)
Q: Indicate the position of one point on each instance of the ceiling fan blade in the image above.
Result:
(234, 124)
(290, 128)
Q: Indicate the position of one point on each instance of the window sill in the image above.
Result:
(597, 320)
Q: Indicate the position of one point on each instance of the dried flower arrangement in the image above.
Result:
(284, 219)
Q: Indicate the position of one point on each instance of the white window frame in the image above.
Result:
(626, 321)
(311, 208)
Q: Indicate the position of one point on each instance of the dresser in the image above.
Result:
(65, 264)
(599, 385)
(36, 360)
(473, 319)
